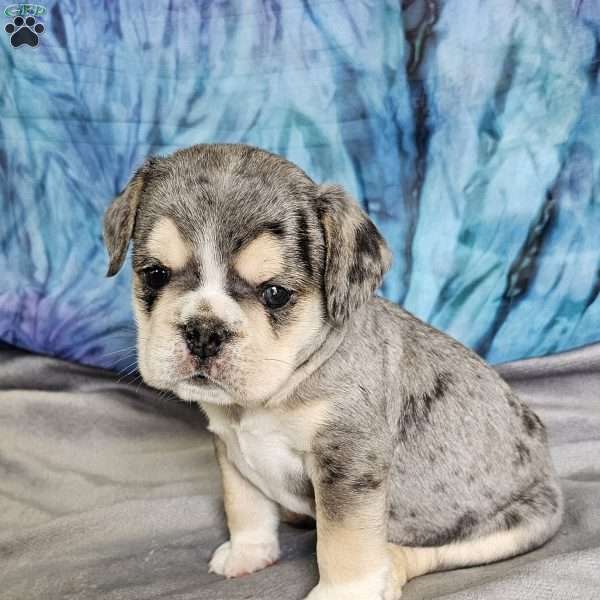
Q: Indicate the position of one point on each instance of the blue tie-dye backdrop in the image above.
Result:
(469, 130)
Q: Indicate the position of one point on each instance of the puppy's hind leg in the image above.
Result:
(410, 561)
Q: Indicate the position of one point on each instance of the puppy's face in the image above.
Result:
(231, 247)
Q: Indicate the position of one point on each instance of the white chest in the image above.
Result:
(268, 449)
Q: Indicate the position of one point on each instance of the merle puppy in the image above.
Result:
(254, 296)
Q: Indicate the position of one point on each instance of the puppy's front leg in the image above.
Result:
(352, 552)
(252, 519)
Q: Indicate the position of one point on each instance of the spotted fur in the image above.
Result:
(411, 453)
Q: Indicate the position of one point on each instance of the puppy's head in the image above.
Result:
(241, 265)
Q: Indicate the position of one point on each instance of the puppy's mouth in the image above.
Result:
(201, 380)
(202, 387)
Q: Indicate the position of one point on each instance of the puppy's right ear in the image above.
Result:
(119, 219)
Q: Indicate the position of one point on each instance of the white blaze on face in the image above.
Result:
(211, 298)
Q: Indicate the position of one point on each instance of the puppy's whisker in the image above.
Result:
(132, 349)
(121, 338)
(130, 369)
(126, 367)
(121, 351)
(284, 362)
(127, 372)
(139, 383)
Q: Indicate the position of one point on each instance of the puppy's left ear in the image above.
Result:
(356, 255)
(119, 218)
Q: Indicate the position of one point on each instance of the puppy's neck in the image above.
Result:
(328, 343)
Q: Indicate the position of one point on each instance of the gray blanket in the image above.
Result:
(109, 491)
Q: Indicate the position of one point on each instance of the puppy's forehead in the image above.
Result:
(225, 184)
(238, 205)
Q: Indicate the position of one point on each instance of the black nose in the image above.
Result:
(204, 338)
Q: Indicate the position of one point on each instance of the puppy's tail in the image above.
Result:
(409, 561)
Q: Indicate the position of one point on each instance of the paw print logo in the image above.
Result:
(24, 31)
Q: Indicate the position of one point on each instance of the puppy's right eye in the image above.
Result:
(156, 277)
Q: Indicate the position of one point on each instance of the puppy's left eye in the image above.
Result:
(276, 296)
(156, 277)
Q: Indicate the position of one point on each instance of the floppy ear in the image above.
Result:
(119, 219)
(356, 255)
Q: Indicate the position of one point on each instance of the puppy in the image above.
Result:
(254, 296)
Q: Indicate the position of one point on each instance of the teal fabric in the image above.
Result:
(470, 131)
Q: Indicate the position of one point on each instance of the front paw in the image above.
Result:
(377, 587)
(347, 592)
(342, 593)
(237, 559)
